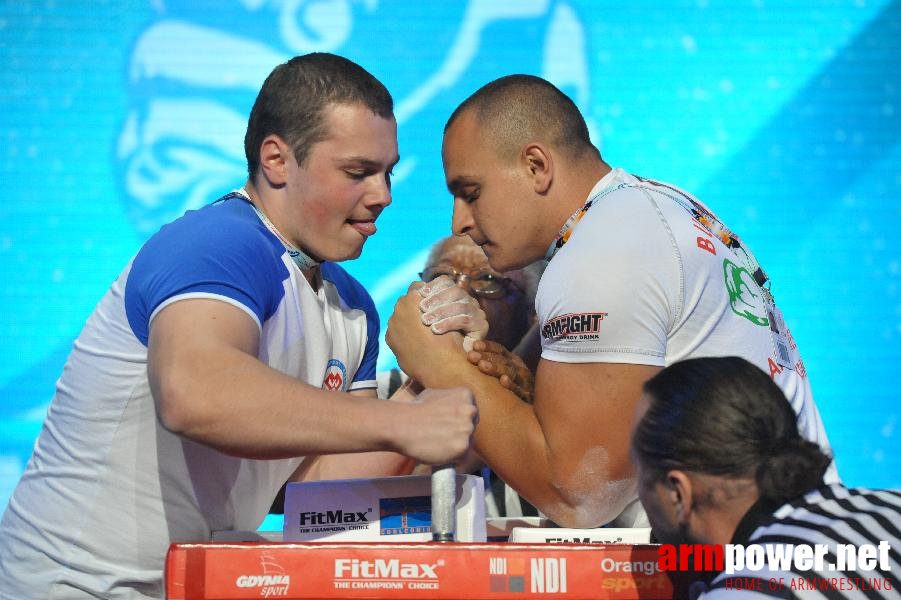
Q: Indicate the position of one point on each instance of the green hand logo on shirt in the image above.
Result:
(745, 295)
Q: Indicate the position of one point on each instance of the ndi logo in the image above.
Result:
(507, 574)
(548, 575)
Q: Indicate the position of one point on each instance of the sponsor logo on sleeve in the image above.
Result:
(745, 296)
(335, 376)
(573, 326)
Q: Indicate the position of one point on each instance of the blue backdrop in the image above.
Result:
(783, 116)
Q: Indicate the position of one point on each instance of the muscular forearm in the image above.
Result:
(210, 386)
(366, 464)
(240, 406)
(567, 453)
(513, 441)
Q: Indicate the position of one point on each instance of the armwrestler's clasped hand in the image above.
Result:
(444, 426)
(447, 307)
(494, 359)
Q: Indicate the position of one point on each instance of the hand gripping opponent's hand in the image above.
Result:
(433, 360)
(494, 359)
(447, 307)
(441, 430)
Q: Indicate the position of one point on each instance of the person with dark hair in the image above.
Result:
(720, 461)
(640, 274)
(230, 348)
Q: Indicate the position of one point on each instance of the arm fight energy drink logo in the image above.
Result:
(573, 326)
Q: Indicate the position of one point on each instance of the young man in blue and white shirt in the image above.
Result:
(231, 347)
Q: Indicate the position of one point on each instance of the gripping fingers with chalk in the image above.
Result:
(446, 307)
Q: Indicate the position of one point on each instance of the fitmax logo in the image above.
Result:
(381, 568)
(330, 517)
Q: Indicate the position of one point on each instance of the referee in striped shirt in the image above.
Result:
(721, 466)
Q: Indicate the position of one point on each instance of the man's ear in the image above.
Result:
(540, 166)
(274, 153)
(681, 494)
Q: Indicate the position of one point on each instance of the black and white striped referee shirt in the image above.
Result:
(856, 531)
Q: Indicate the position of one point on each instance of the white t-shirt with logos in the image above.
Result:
(650, 276)
(108, 488)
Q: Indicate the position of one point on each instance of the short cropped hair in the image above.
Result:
(293, 99)
(726, 417)
(518, 109)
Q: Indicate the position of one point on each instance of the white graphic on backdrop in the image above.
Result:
(192, 85)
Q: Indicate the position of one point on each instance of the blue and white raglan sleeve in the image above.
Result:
(205, 254)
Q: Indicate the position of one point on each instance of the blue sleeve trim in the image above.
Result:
(207, 252)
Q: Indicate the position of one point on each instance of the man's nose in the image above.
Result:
(461, 221)
(380, 193)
